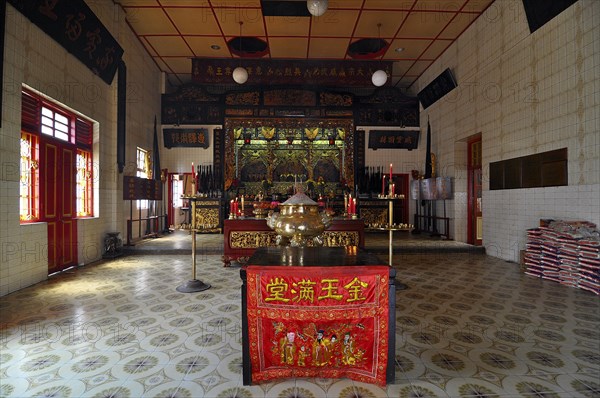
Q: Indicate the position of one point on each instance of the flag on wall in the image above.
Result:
(428, 168)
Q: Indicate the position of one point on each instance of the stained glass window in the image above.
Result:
(84, 186)
(143, 169)
(29, 179)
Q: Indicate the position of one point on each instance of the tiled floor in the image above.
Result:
(468, 325)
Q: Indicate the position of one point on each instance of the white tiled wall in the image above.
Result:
(34, 59)
(525, 93)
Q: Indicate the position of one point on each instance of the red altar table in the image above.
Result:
(243, 236)
(317, 312)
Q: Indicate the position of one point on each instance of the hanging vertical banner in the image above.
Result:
(75, 26)
(318, 322)
(218, 155)
(121, 115)
(155, 155)
(428, 165)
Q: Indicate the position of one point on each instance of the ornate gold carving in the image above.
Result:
(289, 97)
(268, 132)
(251, 239)
(274, 153)
(311, 133)
(207, 203)
(239, 112)
(254, 239)
(333, 99)
(206, 218)
(250, 98)
(341, 238)
(374, 216)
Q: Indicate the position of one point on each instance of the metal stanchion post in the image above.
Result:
(399, 285)
(193, 285)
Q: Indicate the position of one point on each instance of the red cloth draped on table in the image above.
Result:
(318, 322)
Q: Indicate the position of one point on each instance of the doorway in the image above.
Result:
(474, 212)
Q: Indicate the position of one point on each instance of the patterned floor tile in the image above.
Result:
(468, 325)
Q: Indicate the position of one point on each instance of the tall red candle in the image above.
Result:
(231, 207)
(349, 206)
(390, 172)
(383, 185)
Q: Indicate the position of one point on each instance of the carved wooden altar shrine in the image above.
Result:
(280, 151)
(273, 136)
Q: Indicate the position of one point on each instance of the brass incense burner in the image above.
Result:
(299, 222)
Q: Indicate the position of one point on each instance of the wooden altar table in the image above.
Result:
(318, 312)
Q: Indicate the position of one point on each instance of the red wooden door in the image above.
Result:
(475, 216)
(57, 202)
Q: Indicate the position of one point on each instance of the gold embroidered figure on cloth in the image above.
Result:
(321, 352)
(287, 348)
(316, 348)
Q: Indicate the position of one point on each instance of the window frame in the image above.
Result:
(56, 132)
(79, 136)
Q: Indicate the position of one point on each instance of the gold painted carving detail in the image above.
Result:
(206, 218)
(251, 239)
(341, 238)
(377, 216)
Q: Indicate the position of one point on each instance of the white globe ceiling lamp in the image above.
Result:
(240, 74)
(379, 77)
(316, 7)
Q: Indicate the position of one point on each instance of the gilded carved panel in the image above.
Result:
(207, 218)
(251, 239)
(254, 239)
